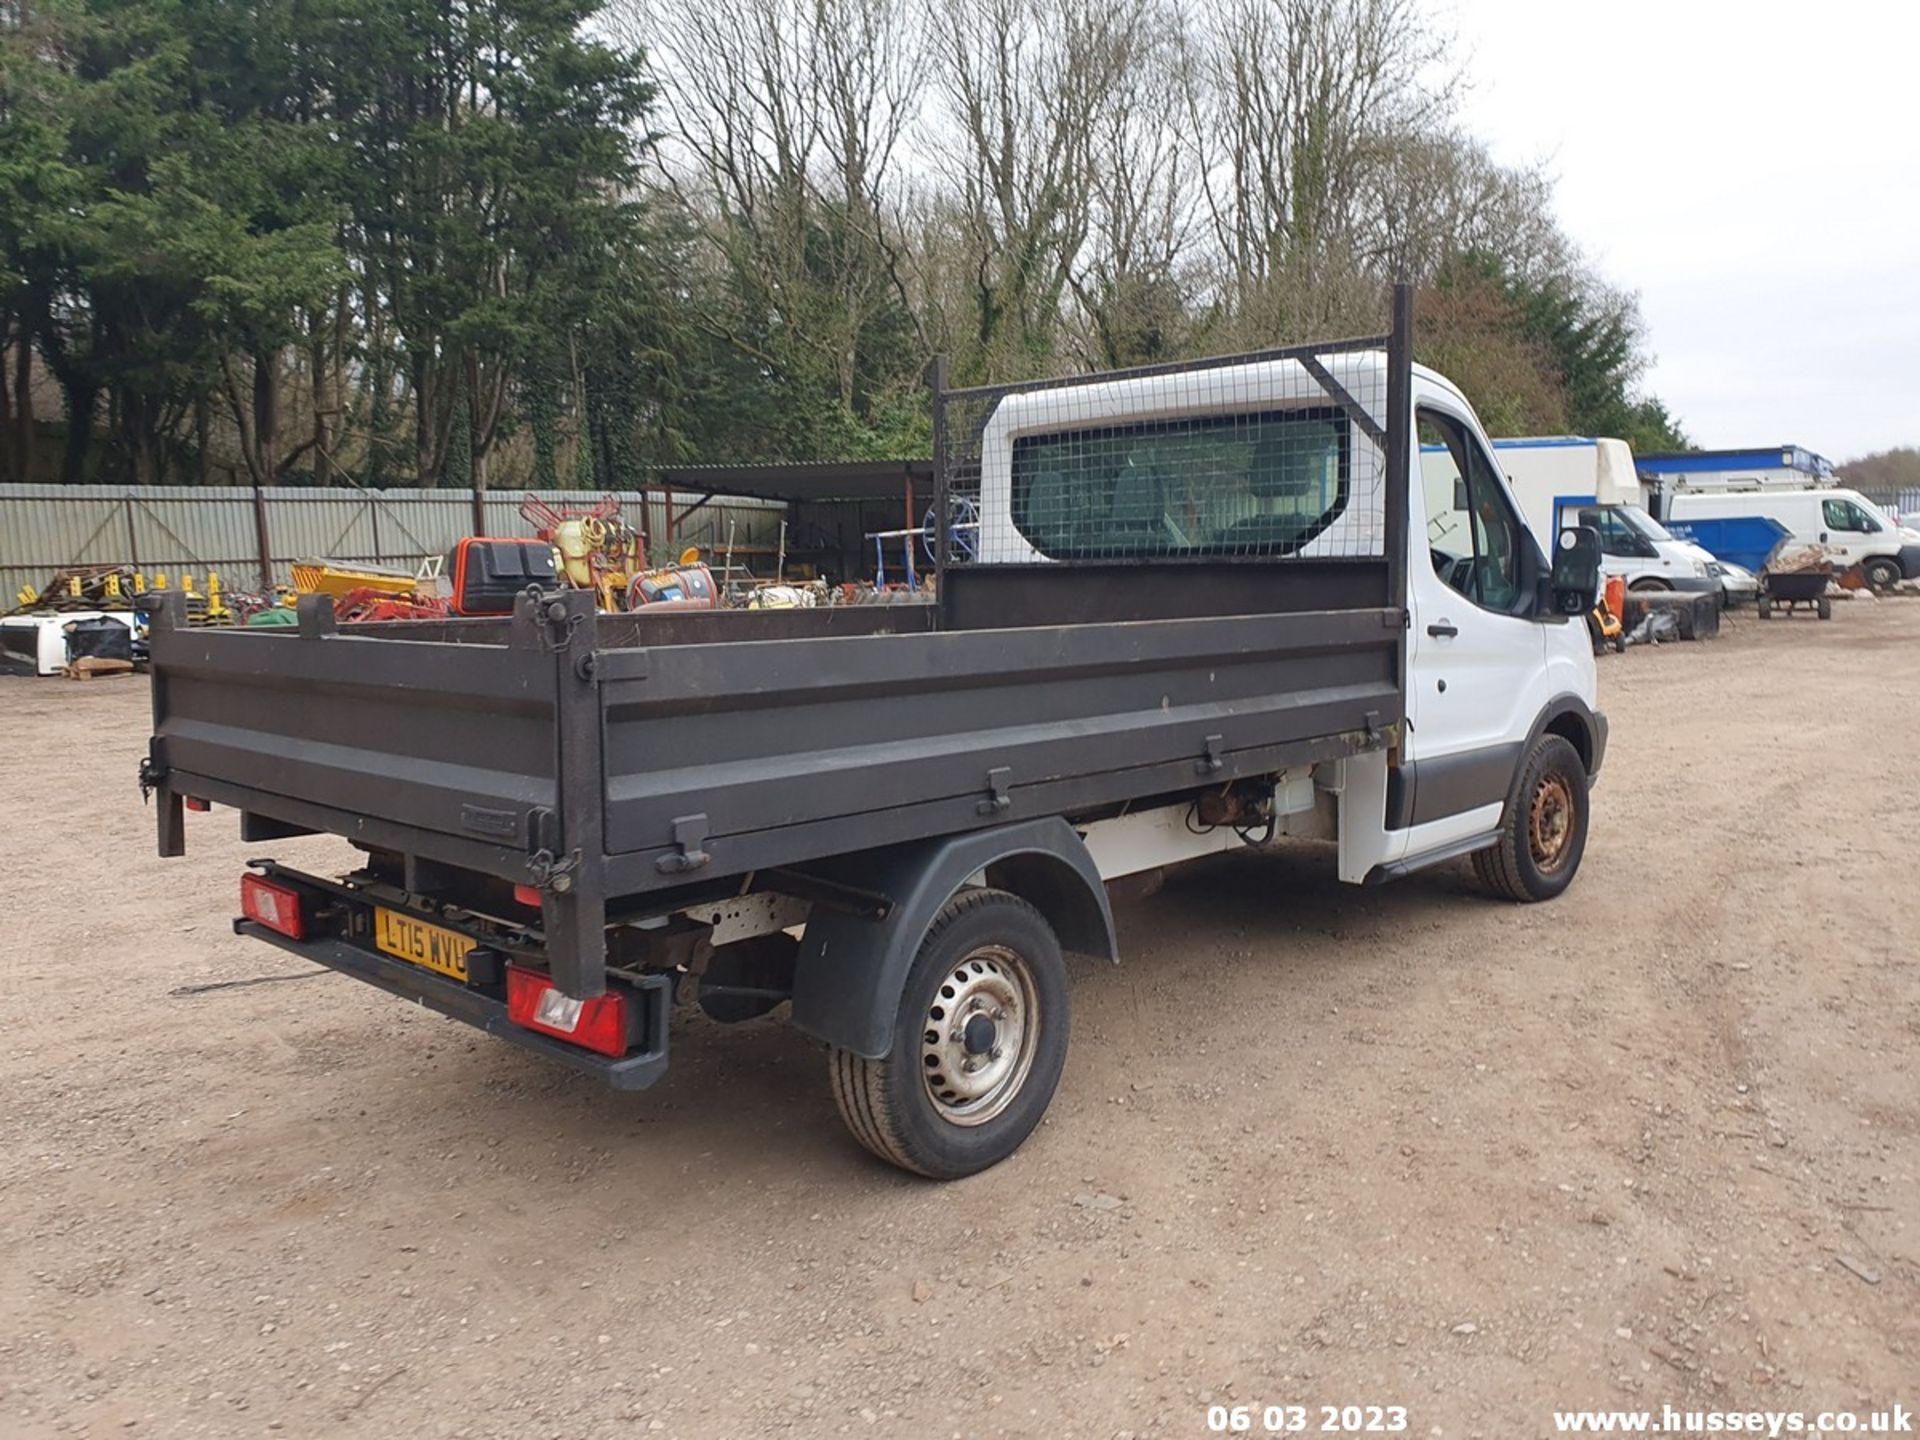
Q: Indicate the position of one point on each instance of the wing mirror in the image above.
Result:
(1575, 582)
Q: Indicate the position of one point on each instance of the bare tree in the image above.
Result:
(1137, 278)
(1024, 86)
(1441, 195)
(1298, 108)
(787, 117)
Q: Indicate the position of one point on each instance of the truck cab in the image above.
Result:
(1253, 461)
(1492, 665)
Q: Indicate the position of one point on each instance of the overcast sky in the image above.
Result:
(1753, 171)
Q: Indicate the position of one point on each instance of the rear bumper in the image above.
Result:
(635, 1070)
(1599, 744)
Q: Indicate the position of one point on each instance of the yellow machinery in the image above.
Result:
(598, 550)
(328, 577)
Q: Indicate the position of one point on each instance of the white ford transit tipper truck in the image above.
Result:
(1199, 607)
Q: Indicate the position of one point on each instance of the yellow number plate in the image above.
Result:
(421, 943)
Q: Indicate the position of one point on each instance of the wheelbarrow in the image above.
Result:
(1789, 590)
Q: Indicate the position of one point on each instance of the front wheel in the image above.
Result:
(1882, 574)
(979, 1041)
(1649, 585)
(1543, 833)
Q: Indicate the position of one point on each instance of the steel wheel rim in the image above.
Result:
(988, 996)
(1550, 823)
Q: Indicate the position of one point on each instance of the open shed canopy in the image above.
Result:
(815, 482)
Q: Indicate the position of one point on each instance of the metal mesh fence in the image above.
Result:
(1255, 457)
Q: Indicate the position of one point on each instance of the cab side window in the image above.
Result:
(1615, 537)
(1845, 515)
(1474, 538)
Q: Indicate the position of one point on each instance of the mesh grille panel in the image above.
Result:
(1247, 457)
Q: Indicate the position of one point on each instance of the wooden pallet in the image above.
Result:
(95, 667)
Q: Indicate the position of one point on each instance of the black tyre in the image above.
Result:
(1649, 583)
(1764, 606)
(978, 1045)
(1543, 832)
(1823, 607)
(1882, 573)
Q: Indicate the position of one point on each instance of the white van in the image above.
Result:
(1844, 521)
(1563, 480)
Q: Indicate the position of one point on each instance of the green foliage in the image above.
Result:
(457, 467)
(414, 242)
(1579, 340)
(193, 189)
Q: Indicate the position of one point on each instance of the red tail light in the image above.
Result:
(527, 896)
(275, 906)
(598, 1024)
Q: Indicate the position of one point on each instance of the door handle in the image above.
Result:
(1443, 627)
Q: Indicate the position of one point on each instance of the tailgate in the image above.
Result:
(435, 748)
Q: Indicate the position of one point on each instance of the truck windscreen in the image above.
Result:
(1644, 524)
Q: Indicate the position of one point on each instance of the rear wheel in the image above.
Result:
(1823, 607)
(1543, 833)
(1764, 606)
(979, 1041)
(1882, 573)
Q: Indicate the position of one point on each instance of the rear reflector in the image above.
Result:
(275, 906)
(527, 895)
(200, 806)
(597, 1024)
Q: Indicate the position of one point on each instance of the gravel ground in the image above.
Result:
(1658, 1140)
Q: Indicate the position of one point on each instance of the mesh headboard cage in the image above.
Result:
(1262, 456)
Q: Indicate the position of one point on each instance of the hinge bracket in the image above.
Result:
(999, 782)
(1211, 761)
(153, 773)
(552, 872)
(690, 853)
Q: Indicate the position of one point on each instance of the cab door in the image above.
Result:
(1623, 552)
(1476, 654)
(1845, 527)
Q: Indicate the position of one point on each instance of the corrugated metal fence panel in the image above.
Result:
(51, 525)
(173, 529)
(176, 530)
(46, 527)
